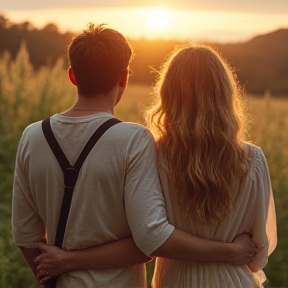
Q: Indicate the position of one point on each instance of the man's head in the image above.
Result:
(99, 57)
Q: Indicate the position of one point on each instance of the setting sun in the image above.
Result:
(158, 19)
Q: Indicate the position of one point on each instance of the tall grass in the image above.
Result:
(27, 96)
(270, 130)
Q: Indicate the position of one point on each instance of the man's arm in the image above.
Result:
(185, 247)
(29, 255)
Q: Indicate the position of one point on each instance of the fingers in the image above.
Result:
(42, 281)
(40, 268)
(44, 271)
(249, 254)
(253, 250)
(42, 247)
(42, 276)
(246, 249)
(38, 259)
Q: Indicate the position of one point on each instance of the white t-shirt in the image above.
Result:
(117, 194)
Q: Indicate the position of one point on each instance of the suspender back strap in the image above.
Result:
(70, 172)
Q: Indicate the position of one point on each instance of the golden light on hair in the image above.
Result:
(199, 124)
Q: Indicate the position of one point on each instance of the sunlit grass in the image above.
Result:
(133, 103)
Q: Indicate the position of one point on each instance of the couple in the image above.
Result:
(209, 219)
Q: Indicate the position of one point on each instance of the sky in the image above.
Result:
(211, 20)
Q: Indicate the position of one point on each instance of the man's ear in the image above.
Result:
(124, 79)
(71, 76)
(122, 85)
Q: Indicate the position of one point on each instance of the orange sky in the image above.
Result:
(221, 20)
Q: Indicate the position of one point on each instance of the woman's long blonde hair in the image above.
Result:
(198, 119)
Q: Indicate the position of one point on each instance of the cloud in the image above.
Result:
(255, 6)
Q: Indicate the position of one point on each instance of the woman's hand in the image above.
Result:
(50, 263)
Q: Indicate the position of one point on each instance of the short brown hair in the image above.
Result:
(98, 57)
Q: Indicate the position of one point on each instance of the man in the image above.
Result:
(117, 194)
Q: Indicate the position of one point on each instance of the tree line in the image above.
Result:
(261, 64)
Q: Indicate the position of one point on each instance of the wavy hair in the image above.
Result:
(198, 124)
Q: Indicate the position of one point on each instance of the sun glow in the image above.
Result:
(158, 19)
(223, 26)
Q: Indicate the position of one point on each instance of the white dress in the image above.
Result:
(254, 213)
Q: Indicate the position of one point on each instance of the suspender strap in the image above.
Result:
(70, 172)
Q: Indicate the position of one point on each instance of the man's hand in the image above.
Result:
(244, 249)
(49, 263)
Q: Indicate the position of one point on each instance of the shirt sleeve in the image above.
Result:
(27, 227)
(143, 199)
(264, 228)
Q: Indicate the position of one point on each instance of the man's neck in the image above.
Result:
(86, 106)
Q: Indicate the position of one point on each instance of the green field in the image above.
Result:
(27, 96)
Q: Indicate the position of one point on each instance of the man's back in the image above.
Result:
(117, 190)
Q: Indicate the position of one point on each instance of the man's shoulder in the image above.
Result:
(127, 132)
(132, 128)
(33, 131)
(133, 125)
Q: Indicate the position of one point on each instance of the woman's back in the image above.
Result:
(254, 213)
(208, 173)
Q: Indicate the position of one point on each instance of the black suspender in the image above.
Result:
(71, 172)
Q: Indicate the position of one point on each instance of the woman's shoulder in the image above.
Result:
(251, 150)
(255, 156)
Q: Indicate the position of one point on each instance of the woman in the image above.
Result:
(209, 176)
(215, 184)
